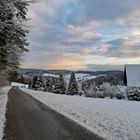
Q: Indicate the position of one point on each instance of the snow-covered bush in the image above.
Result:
(91, 91)
(81, 92)
(100, 94)
(105, 87)
(133, 93)
(120, 95)
(109, 90)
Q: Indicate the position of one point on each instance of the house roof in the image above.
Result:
(133, 75)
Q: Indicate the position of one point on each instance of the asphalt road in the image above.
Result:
(29, 119)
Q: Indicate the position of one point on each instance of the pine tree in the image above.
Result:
(62, 83)
(13, 33)
(48, 85)
(34, 83)
(40, 82)
(29, 83)
(60, 87)
(73, 86)
(50, 88)
(57, 87)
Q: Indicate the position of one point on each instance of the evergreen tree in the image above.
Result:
(48, 85)
(60, 87)
(73, 86)
(62, 84)
(35, 83)
(13, 33)
(39, 82)
(57, 87)
(29, 83)
(21, 79)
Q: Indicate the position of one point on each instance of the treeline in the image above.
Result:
(56, 85)
(112, 78)
(70, 86)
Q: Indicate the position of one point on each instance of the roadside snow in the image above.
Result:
(111, 119)
(3, 103)
(19, 85)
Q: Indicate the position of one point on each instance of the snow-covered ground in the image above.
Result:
(77, 75)
(19, 85)
(122, 88)
(51, 75)
(3, 103)
(111, 119)
(80, 77)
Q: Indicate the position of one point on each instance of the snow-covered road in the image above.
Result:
(3, 103)
(111, 119)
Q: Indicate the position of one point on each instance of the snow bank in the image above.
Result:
(3, 102)
(19, 85)
(111, 119)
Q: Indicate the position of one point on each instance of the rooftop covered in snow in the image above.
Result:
(132, 75)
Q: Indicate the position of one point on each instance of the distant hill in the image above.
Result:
(57, 72)
(37, 71)
(101, 72)
(111, 76)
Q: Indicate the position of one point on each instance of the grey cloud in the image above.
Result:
(99, 67)
(82, 11)
(120, 48)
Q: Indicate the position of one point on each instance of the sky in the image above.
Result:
(83, 34)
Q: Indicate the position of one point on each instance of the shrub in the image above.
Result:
(100, 94)
(133, 93)
(91, 91)
(109, 90)
(120, 96)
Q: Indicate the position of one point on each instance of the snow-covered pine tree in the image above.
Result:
(60, 87)
(73, 86)
(50, 88)
(29, 83)
(57, 87)
(62, 83)
(12, 33)
(40, 82)
(34, 82)
(48, 85)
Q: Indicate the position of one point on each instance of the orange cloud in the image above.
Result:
(69, 62)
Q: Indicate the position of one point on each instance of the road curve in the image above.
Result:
(29, 119)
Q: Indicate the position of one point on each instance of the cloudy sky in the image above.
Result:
(83, 34)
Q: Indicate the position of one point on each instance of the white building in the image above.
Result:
(132, 75)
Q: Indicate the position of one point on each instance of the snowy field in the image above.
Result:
(82, 76)
(3, 103)
(48, 74)
(111, 119)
